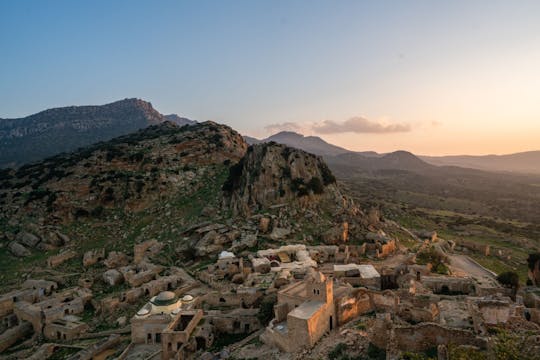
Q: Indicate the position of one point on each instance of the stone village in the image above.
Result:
(315, 291)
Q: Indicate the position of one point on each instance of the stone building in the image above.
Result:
(303, 314)
(150, 321)
(358, 275)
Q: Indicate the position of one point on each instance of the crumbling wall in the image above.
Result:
(353, 305)
(238, 321)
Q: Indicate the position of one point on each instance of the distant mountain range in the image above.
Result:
(526, 162)
(65, 129)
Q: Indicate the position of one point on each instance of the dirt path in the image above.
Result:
(466, 265)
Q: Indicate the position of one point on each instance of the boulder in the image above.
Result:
(261, 265)
(279, 233)
(113, 277)
(65, 239)
(93, 257)
(245, 242)
(53, 239)
(121, 321)
(18, 250)
(27, 239)
(116, 259)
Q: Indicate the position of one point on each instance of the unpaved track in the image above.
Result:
(467, 266)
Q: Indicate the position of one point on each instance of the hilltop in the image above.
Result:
(65, 129)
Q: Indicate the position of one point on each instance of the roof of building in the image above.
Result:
(307, 309)
(164, 298)
(367, 271)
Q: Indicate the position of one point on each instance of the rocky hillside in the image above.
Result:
(65, 129)
(197, 189)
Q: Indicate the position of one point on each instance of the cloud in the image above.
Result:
(359, 125)
(286, 126)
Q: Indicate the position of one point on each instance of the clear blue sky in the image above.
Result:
(466, 69)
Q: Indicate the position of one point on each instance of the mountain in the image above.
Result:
(311, 144)
(180, 121)
(65, 129)
(251, 140)
(524, 162)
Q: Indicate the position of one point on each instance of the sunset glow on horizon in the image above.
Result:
(433, 78)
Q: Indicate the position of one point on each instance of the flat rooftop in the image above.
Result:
(307, 309)
(367, 271)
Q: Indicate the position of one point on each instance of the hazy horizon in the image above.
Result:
(431, 78)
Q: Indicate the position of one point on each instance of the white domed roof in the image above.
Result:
(187, 298)
(166, 296)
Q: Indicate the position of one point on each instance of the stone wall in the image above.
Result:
(419, 338)
(353, 305)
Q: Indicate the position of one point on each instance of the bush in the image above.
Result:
(532, 260)
(234, 178)
(327, 176)
(509, 279)
(337, 352)
(316, 185)
(266, 310)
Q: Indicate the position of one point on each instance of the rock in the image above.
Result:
(27, 239)
(247, 241)
(282, 279)
(55, 260)
(52, 239)
(264, 224)
(232, 269)
(208, 211)
(18, 250)
(65, 239)
(224, 354)
(233, 235)
(261, 265)
(279, 233)
(43, 246)
(238, 279)
(116, 259)
(113, 277)
(93, 257)
(373, 217)
(121, 321)
(207, 356)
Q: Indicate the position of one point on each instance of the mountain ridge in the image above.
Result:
(527, 162)
(64, 129)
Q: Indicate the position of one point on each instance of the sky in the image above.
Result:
(431, 77)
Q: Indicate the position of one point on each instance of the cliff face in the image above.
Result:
(272, 174)
(65, 129)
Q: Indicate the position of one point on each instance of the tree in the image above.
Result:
(509, 279)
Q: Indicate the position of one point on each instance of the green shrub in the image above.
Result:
(509, 279)
(316, 185)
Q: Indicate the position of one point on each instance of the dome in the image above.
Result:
(164, 298)
(187, 298)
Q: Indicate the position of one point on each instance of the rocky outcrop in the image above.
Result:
(272, 174)
(113, 277)
(18, 250)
